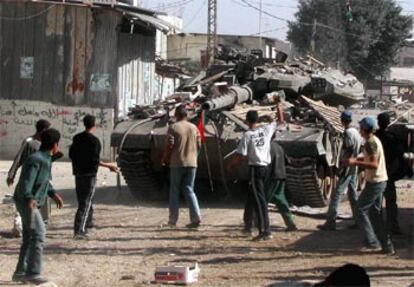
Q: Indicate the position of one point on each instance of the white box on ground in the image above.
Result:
(177, 274)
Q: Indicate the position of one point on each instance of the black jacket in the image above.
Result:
(394, 148)
(84, 153)
(278, 165)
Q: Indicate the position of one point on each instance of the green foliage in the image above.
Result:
(367, 45)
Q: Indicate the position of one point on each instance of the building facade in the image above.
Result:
(62, 60)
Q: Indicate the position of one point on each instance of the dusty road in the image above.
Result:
(129, 243)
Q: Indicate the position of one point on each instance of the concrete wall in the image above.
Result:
(406, 57)
(189, 46)
(18, 118)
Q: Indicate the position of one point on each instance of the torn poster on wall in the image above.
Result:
(26, 67)
(100, 83)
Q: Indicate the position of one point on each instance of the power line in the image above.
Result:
(269, 31)
(172, 5)
(195, 14)
(274, 5)
(302, 23)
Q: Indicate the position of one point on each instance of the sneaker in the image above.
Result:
(92, 226)
(291, 228)
(18, 277)
(371, 248)
(36, 280)
(267, 237)
(80, 237)
(16, 233)
(327, 227)
(193, 225)
(247, 232)
(168, 225)
(389, 250)
(263, 237)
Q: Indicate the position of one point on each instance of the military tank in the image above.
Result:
(311, 139)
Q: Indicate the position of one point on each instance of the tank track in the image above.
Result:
(135, 166)
(303, 183)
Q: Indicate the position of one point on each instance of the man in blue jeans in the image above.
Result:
(347, 174)
(29, 196)
(369, 203)
(181, 152)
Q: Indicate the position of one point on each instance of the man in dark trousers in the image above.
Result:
(29, 196)
(255, 145)
(85, 155)
(28, 147)
(396, 169)
(275, 190)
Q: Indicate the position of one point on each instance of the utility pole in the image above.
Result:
(260, 25)
(211, 30)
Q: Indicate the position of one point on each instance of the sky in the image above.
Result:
(235, 17)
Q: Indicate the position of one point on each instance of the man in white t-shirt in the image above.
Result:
(255, 145)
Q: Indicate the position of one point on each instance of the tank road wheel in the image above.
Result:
(326, 182)
(137, 171)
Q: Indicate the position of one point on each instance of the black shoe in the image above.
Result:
(263, 237)
(169, 225)
(327, 227)
(193, 225)
(92, 226)
(18, 277)
(389, 250)
(36, 280)
(292, 227)
(83, 236)
(247, 232)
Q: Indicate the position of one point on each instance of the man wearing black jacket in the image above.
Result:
(397, 168)
(85, 155)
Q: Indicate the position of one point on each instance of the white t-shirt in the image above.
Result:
(255, 144)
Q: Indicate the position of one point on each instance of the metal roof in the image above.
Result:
(128, 10)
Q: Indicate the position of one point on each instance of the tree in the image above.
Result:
(365, 43)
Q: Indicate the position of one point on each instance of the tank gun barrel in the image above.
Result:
(235, 95)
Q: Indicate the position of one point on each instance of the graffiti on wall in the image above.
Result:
(18, 118)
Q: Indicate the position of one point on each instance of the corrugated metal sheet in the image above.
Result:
(331, 115)
(80, 56)
(136, 76)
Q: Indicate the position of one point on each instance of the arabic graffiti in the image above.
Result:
(18, 118)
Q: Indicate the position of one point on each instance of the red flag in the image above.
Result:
(200, 127)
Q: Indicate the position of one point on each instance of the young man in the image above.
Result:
(394, 159)
(28, 147)
(369, 203)
(181, 154)
(85, 155)
(255, 145)
(29, 196)
(347, 175)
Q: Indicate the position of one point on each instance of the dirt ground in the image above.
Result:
(130, 242)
